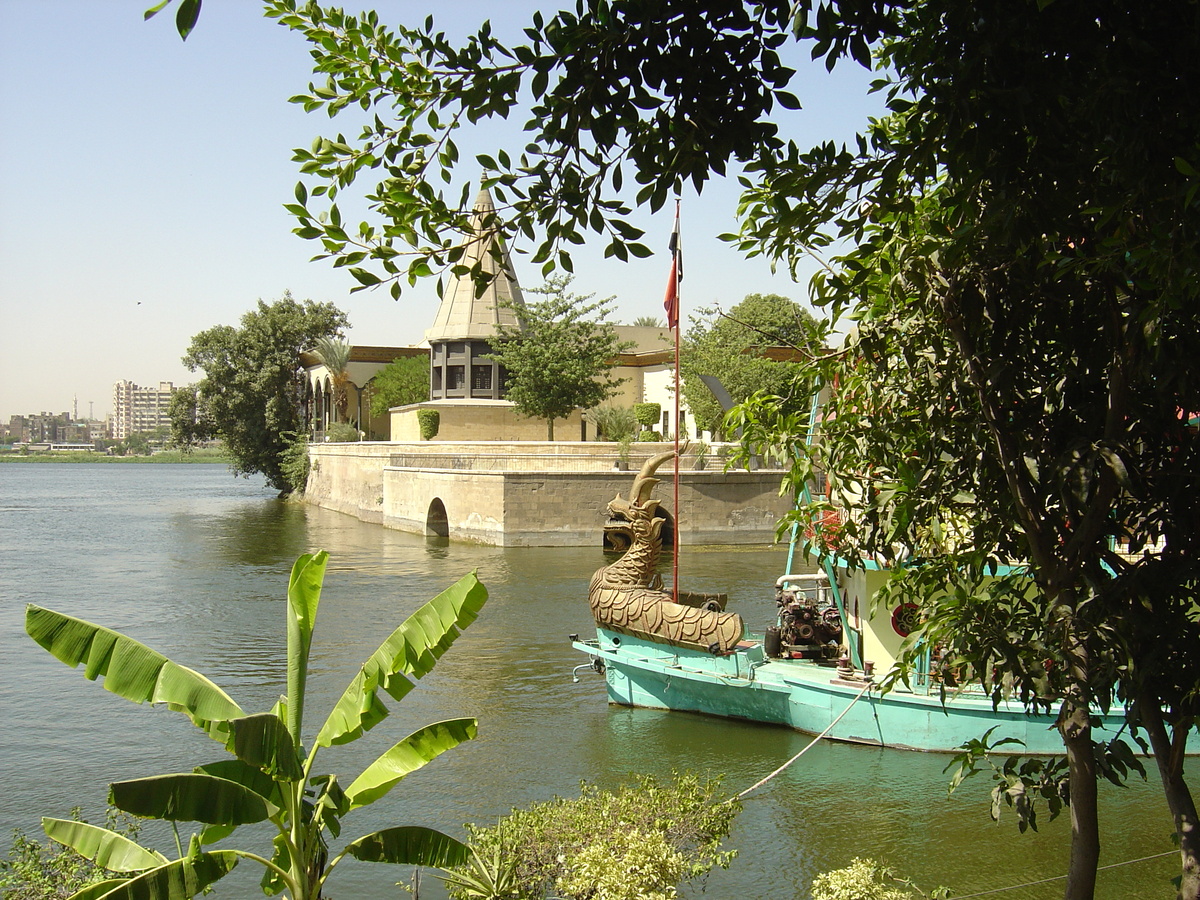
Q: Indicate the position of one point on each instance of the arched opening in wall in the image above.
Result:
(437, 524)
(668, 530)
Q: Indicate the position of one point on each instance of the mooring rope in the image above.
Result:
(754, 787)
(866, 687)
(1128, 862)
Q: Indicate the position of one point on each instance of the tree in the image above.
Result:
(270, 777)
(1020, 276)
(1015, 191)
(561, 358)
(335, 356)
(250, 395)
(401, 382)
(649, 322)
(730, 347)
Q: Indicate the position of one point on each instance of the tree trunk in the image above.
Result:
(1076, 727)
(1169, 756)
(550, 430)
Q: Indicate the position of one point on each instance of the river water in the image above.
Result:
(194, 563)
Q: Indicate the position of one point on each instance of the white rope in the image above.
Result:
(754, 787)
(1014, 887)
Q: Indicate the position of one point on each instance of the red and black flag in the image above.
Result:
(671, 303)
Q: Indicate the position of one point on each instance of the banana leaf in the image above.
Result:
(248, 776)
(303, 596)
(105, 848)
(190, 797)
(410, 845)
(177, 880)
(263, 741)
(411, 650)
(97, 889)
(410, 754)
(130, 669)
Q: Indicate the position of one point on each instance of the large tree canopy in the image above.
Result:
(251, 392)
(732, 347)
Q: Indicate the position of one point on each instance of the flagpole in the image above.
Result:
(672, 307)
(675, 531)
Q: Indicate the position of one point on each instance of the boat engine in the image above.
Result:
(809, 623)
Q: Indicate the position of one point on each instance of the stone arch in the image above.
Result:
(437, 523)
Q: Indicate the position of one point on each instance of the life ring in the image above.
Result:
(906, 619)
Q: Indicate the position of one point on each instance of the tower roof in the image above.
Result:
(462, 315)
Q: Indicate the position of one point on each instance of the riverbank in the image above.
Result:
(74, 456)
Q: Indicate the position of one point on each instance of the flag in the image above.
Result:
(671, 303)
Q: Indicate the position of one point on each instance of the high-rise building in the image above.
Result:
(137, 409)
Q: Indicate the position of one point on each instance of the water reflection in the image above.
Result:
(195, 563)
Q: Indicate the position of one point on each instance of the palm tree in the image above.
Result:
(335, 355)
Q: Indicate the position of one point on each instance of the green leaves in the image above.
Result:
(182, 878)
(266, 779)
(190, 797)
(304, 594)
(410, 845)
(130, 669)
(411, 650)
(407, 756)
(106, 848)
(186, 15)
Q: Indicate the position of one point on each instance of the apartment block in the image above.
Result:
(137, 409)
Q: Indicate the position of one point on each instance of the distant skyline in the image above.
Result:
(143, 180)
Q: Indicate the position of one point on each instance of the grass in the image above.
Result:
(75, 456)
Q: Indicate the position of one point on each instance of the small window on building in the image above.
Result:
(666, 423)
(481, 378)
(435, 379)
(456, 377)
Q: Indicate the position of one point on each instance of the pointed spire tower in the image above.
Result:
(464, 325)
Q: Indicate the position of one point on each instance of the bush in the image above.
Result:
(613, 423)
(36, 871)
(649, 436)
(647, 414)
(429, 421)
(635, 843)
(293, 461)
(341, 433)
(863, 879)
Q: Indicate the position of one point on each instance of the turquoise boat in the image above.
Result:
(815, 671)
(812, 695)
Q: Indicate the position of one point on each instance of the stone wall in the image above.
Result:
(531, 493)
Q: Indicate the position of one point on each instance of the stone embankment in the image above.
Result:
(533, 493)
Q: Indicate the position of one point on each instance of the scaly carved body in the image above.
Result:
(627, 595)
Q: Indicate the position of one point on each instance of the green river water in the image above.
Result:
(194, 563)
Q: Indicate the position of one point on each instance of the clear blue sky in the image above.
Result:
(142, 181)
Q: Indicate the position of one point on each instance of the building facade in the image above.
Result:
(140, 409)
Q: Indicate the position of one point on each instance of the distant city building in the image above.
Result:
(138, 409)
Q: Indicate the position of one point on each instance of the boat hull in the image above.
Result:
(806, 696)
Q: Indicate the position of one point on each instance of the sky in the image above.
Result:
(142, 183)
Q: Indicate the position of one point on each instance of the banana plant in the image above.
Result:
(269, 775)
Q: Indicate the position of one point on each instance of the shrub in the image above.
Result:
(293, 461)
(863, 879)
(635, 843)
(613, 423)
(36, 871)
(649, 436)
(647, 414)
(429, 421)
(341, 433)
